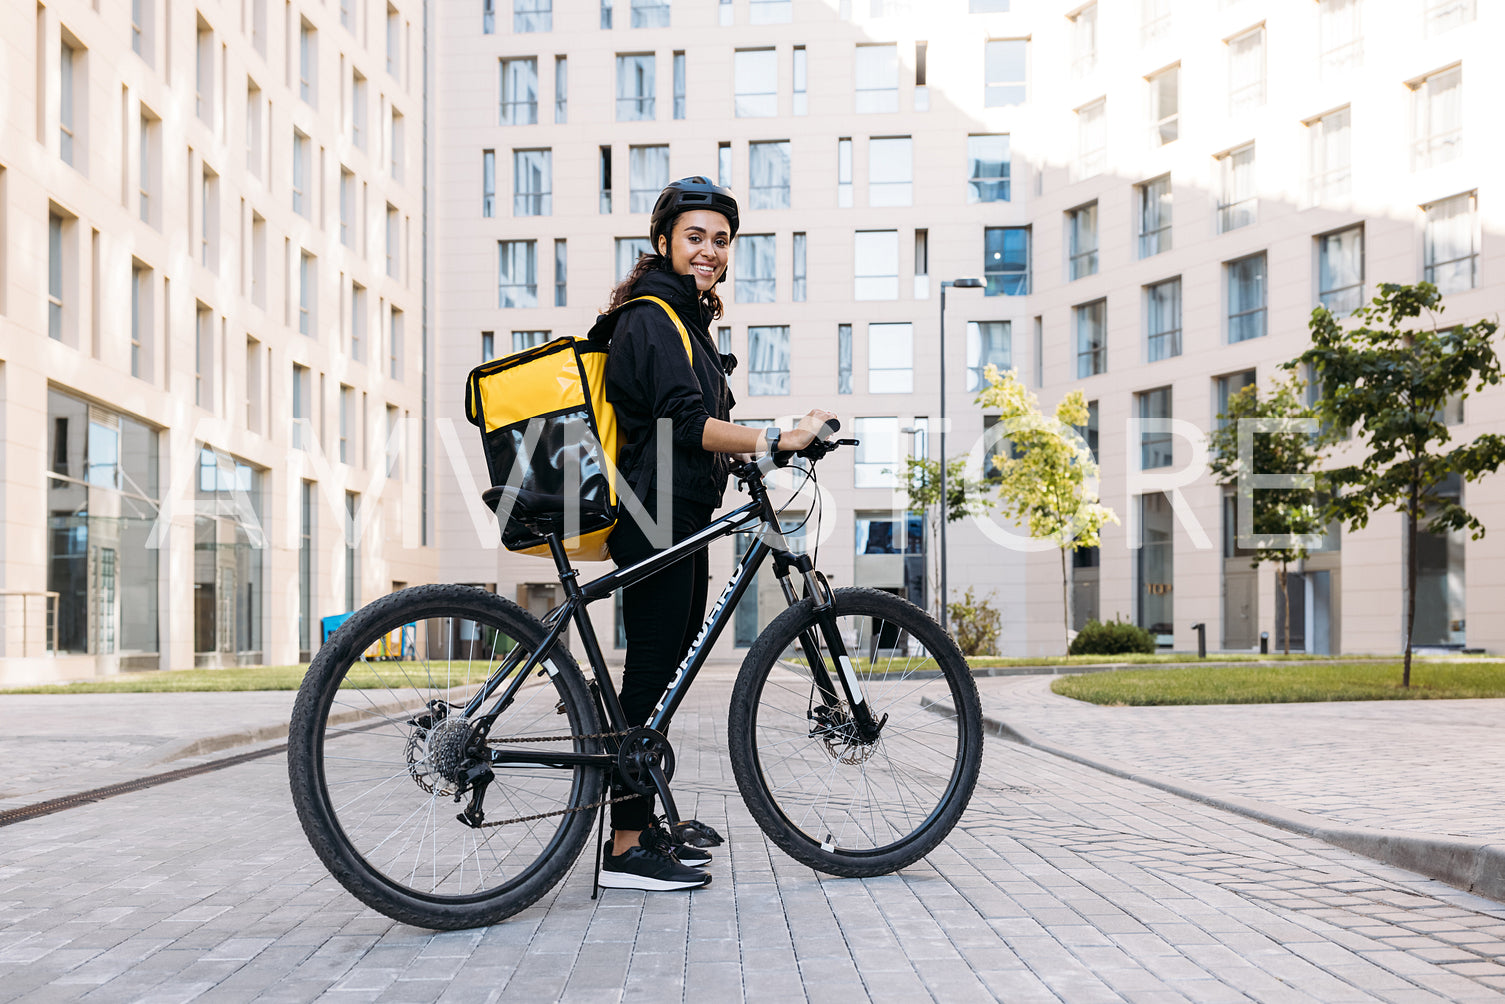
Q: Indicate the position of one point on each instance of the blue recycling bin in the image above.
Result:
(328, 625)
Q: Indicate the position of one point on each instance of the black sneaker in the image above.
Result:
(649, 870)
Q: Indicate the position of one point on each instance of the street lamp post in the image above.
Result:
(966, 283)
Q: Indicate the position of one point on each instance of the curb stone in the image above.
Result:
(1475, 866)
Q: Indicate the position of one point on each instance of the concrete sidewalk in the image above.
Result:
(1417, 784)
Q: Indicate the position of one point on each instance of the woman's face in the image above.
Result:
(701, 245)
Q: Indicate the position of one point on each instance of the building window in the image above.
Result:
(306, 569)
(605, 15)
(394, 443)
(1154, 445)
(1340, 270)
(308, 64)
(1237, 204)
(1445, 14)
(988, 343)
(142, 24)
(347, 207)
(1154, 19)
(352, 571)
(890, 171)
(635, 88)
(1091, 338)
(203, 74)
(532, 183)
(1165, 106)
(519, 91)
(357, 321)
(1156, 566)
(1246, 298)
(844, 173)
(921, 263)
(629, 250)
(254, 154)
(1005, 261)
(517, 281)
(1004, 68)
(393, 258)
(647, 176)
(561, 273)
(348, 451)
(725, 19)
(150, 181)
(755, 78)
(56, 286)
(488, 16)
(302, 173)
(798, 289)
(72, 104)
(1332, 173)
(890, 358)
(876, 463)
(1246, 71)
(488, 183)
(988, 168)
(768, 359)
(561, 89)
(394, 48)
(1227, 386)
(679, 84)
(1163, 319)
(755, 268)
(141, 321)
(1084, 40)
(605, 173)
(724, 165)
(522, 340)
(768, 175)
(1340, 40)
(877, 78)
(1437, 117)
(843, 359)
(877, 265)
(532, 15)
(302, 430)
(801, 97)
(395, 345)
(1154, 216)
(209, 219)
(1092, 138)
(203, 357)
(488, 346)
(398, 145)
(358, 111)
(1081, 238)
(650, 14)
(1451, 243)
(308, 280)
(987, 6)
(762, 12)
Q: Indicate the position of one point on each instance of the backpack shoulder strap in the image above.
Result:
(684, 335)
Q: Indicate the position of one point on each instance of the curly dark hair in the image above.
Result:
(648, 262)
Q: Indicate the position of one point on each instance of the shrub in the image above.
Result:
(975, 624)
(1115, 637)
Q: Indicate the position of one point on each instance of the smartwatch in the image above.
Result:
(771, 437)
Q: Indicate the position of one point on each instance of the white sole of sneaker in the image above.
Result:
(626, 880)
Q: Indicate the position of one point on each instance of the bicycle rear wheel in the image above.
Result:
(377, 729)
(830, 799)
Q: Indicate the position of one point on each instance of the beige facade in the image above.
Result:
(184, 207)
(1091, 120)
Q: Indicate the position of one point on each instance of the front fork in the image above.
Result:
(825, 612)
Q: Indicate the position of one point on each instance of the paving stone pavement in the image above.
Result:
(1062, 883)
(1433, 767)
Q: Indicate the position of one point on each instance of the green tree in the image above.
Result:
(1048, 478)
(1281, 516)
(1389, 382)
(965, 497)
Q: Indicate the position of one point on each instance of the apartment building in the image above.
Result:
(210, 319)
(1156, 194)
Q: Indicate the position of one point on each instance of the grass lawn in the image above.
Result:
(1286, 683)
(375, 674)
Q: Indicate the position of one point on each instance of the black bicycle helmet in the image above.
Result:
(685, 195)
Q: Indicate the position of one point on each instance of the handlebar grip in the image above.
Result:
(834, 425)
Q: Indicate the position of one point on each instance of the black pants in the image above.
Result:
(661, 615)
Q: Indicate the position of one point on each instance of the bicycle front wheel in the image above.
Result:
(377, 733)
(836, 801)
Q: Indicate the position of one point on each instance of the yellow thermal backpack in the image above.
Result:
(547, 427)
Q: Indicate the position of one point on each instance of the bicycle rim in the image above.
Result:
(393, 713)
(886, 802)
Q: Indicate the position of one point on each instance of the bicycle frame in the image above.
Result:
(757, 512)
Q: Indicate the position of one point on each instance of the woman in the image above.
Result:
(656, 391)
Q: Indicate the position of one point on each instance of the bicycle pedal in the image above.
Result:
(559, 708)
(697, 834)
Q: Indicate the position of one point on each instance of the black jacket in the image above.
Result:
(648, 377)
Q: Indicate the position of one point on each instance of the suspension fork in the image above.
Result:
(810, 642)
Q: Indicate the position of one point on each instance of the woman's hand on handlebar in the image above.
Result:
(815, 422)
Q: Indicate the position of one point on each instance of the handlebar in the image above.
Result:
(816, 449)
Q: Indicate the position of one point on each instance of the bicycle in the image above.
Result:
(855, 731)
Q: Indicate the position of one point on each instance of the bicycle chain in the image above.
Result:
(556, 812)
